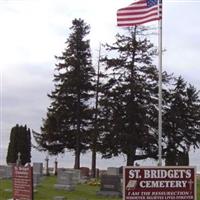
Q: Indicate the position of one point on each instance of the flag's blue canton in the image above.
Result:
(151, 3)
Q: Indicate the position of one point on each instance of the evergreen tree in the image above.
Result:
(128, 103)
(20, 141)
(181, 123)
(69, 116)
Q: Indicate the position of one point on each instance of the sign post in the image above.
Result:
(159, 183)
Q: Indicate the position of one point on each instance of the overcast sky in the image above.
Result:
(32, 32)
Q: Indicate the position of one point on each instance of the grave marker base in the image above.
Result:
(64, 187)
(109, 194)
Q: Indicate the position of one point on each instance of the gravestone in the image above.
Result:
(56, 167)
(2, 173)
(8, 171)
(18, 162)
(76, 174)
(85, 171)
(47, 166)
(37, 173)
(36, 179)
(38, 168)
(5, 171)
(113, 171)
(97, 173)
(65, 180)
(59, 198)
(102, 172)
(110, 186)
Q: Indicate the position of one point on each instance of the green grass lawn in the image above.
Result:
(198, 190)
(46, 191)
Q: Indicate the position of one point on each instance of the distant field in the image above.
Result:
(46, 191)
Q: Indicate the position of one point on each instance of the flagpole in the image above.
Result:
(160, 86)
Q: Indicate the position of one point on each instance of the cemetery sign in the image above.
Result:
(23, 182)
(159, 183)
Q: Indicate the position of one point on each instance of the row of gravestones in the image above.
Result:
(68, 178)
(6, 172)
(111, 179)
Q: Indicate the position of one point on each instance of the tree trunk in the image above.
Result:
(77, 159)
(78, 137)
(93, 162)
(171, 158)
(94, 142)
(131, 156)
(130, 159)
(78, 141)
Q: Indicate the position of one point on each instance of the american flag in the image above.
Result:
(140, 12)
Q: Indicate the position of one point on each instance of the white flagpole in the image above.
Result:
(160, 86)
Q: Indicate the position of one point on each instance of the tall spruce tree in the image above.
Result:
(20, 141)
(129, 100)
(69, 116)
(181, 123)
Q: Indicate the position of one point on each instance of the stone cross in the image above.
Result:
(56, 167)
(18, 159)
(47, 165)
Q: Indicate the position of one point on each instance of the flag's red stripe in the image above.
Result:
(136, 13)
(132, 8)
(136, 18)
(135, 24)
(142, 9)
(139, 2)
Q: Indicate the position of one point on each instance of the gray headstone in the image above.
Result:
(76, 175)
(38, 168)
(110, 186)
(37, 173)
(1, 171)
(97, 173)
(65, 180)
(5, 171)
(47, 166)
(9, 171)
(59, 198)
(113, 171)
(36, 179)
